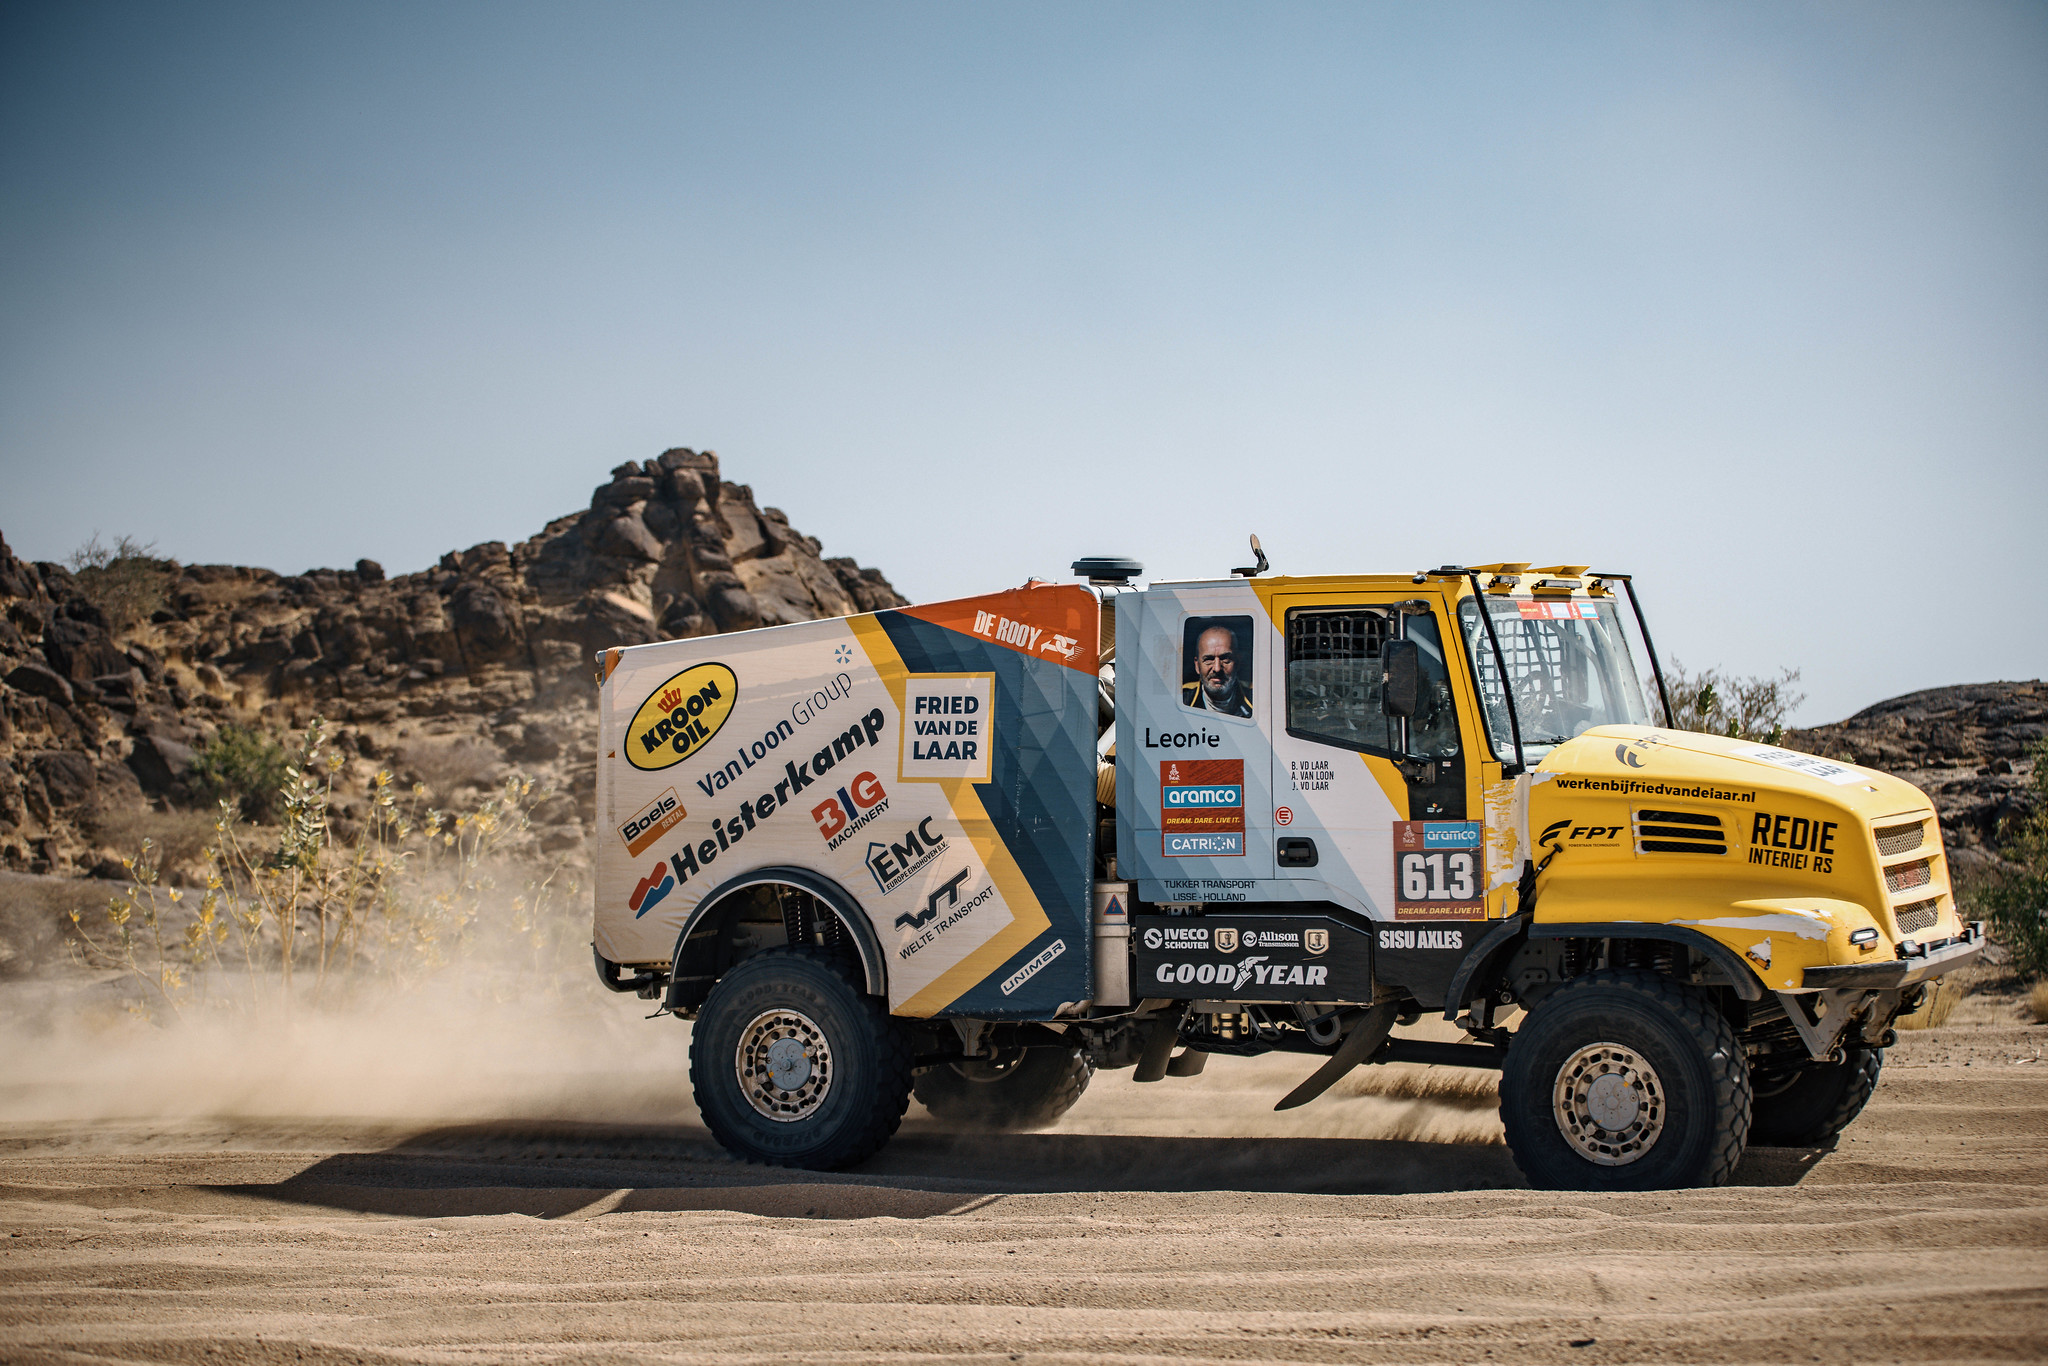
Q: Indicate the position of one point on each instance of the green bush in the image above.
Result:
(1742, 708)
(242, 766)
(124, 580)
(2016, 902)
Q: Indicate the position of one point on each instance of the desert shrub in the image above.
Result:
(289, 915)
(1741, 707)
(448, 764)
(2037, 1002)
(2015, 901)
(180, 837)
(241, 766)
(124, 580)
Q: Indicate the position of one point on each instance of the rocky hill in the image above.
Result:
(1968, 747)
(455, 676)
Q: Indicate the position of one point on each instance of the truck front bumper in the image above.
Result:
(1930, 960)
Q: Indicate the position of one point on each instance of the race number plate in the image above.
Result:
(1437, 867)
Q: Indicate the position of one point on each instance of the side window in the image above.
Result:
(1335, 682)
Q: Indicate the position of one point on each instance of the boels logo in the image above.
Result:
(681, 716)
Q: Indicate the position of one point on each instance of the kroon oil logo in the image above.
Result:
(680, 717)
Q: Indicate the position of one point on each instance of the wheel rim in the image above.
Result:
(1609, 1104)
(784, 1065)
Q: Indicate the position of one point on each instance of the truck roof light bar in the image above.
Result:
(1500, 663)
(1656, 670)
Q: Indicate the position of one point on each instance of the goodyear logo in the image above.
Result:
(680, 717)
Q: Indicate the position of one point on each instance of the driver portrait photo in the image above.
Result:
(1216, 665)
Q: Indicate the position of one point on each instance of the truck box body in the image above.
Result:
(937, 763)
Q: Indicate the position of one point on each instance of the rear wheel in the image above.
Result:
(1625, 1081)
(1027, 1090)
(1816, 1102)
(794, 1067)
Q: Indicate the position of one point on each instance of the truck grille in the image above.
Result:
(1918, 916)
(1901, 839)
(1679, 832)
(1907, 876)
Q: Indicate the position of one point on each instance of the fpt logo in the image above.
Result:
(651, 890)
(680, 717)
(850, 808)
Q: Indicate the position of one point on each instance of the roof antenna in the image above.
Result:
(1253, 571)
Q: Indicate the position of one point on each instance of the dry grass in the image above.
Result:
(2037, 1002)
(1943, 995)
(181, 836)
(448, 765)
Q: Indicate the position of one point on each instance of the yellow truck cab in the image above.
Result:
(1055, 829)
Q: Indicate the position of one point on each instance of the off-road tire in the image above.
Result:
(1818, 1103)
(1031, 1094)
(867, 1053)
(1702, 1080)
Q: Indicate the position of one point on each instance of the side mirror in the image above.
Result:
(1401, 678)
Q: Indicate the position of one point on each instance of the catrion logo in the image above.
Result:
(851, 807)
(651, 890)
(680, 716)
(652, 821)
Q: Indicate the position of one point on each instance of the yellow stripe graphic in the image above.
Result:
(1028, 919)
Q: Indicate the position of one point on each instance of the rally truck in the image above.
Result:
(974, 851)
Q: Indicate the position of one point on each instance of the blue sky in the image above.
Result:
(1749, 299)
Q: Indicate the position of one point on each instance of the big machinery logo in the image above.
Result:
(680, 717)
(851, 807)
(651, 890)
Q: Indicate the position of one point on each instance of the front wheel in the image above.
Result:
(1816, 1102)
(1028, 1090)
(794, 1067)
(1625, 1081)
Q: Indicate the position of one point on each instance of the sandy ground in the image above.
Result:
(552, 1213)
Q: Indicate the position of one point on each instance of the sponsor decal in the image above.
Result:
(1182, 739)
(1421, 939)
(950, 719)
(850, 808)
(1316, 940)
(946, 899)
(1827, 770)
(1283, 815)
(729, 830)
(1560, 833)
(1255, 971)
(1037, 965)
(1631, 787)
(892, 862)
(808, 709)
(1024, 636)
(652, 821)
(1792, 842)
(651, 890)
(1201, 807)
(1556, 610)
(680, 717)
(1176, 937)
(947, 891)
(1226, 939)
(1436, 870)
(746, 757)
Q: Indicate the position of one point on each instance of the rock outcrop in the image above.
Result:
(457, 676)
(1968, 747)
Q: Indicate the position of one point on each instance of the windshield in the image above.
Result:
(1568, 664)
